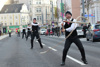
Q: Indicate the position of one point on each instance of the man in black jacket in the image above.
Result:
(28, 32)
(35, 33)
(24, 32)
(68, 27)
(85, 29)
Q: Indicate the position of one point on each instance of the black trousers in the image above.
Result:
(28, 34)
(18, 34)
(33, 35)
(68, 43)
(24, 33)
(9, 34)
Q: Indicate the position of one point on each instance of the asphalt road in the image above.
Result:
(16, 52)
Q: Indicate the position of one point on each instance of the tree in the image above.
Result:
(88, 3)
(56, 14)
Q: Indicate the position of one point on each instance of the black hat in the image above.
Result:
(34, 19)
(68, 12)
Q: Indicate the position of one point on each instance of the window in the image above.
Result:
(10, 17)
(51, 2)
(30, 2)
(38, 2)
(51, 9)
(38, 9)
(6, 10)
(16, 23)
(10, 23)
(16, 17)
(27, 17)
(4, 17)
(5, 24)
(1, 17)
(39, 18)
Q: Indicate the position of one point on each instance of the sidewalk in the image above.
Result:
(4, 36)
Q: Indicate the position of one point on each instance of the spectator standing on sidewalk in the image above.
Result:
(0, 32)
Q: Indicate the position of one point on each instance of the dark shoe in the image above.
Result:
(31, 48)
(84, 61)
(42, 47)
(63, 64)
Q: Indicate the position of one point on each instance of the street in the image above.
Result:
(16, 52)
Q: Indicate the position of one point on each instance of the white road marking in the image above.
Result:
(52, 48)
(43, 44)
(77, 61)
(83, 39)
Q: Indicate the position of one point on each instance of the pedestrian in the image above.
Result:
(0, 32)
(49, 31)
(89, 25)
(18, 31)
(73, 38)
(85, 29)
(35, 33)
(28, 32)
(23, 32)
(62, 31)
(58, 31)
(53, 30)
(9, 32)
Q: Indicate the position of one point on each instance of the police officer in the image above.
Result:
(68, 27)
(18, 32)
(35, 33)
(28, 32)
(24, 32)
(9, 32)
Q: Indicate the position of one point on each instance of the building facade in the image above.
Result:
(14, 16)
(70, 5)
(94, 10)
(42, 10)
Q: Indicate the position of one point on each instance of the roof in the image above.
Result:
(11, 8)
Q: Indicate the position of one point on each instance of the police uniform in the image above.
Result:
(18, 32)
(9, 33)
(73, 38)
(23, 33)
(35, 33)
(28, 32)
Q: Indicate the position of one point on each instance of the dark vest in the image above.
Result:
(24, 30)
(35, 28)
(67, 33)
(28, 29)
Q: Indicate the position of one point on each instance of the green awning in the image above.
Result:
(13, 27)
(24, 25)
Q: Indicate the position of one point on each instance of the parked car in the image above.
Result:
(93, 33)
(80, 31)
(42, 31)
(47, 33)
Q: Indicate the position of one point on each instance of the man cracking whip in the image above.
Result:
(73, 38)
(35, 33)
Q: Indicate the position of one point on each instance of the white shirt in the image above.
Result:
(35, 24)
(24, 28)
(72, 27)
(29, 27)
